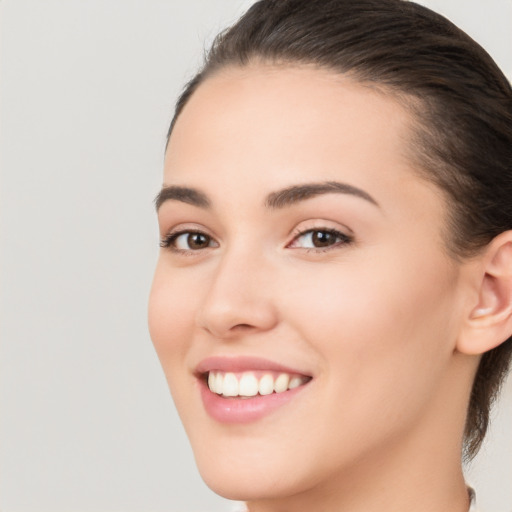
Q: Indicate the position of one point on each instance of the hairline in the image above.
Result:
(411, 104)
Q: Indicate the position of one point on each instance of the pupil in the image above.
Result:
(197, 241)
(322, 238)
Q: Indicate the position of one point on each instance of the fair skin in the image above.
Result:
(370, 320)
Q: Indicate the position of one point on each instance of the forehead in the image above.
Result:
(260, 128)
(246, 133)
(284, 114)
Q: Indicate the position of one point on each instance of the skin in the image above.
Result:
(375, 321)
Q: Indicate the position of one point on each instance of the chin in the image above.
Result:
(251, 484)
(246, 474)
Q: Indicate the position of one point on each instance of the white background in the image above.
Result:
(87, 92)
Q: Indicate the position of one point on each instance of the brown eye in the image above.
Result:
(188, 241)
(323, 238)
(197, 241)
(320, 239)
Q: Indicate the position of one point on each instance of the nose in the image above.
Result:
(238, 300)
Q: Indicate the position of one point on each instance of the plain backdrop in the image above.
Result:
(87, 92)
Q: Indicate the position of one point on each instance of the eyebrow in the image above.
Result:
(298, 193)
(275, 200)
(184, 194)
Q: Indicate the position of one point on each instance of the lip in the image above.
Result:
(236, 410)
(243, 364)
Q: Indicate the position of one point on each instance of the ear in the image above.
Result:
(489, 322)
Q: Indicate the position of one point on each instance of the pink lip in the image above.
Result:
(242, 364)
(242, 410)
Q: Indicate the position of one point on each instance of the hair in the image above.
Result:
(461, 101)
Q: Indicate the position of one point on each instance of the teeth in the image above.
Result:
(247, 384)
(295, 382)
(212, 382)
(230, 386)
(281, 383)
(219, 382)
(266, 386)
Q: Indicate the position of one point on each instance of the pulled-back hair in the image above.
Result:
(461, 101)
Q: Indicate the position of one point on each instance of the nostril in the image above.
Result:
(224, 316)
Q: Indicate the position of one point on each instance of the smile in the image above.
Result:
(249, 384)
(244, 390)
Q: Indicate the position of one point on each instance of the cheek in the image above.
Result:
(376, 302)
(382, 327)
(171, 311)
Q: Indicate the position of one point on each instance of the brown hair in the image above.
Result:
(461, 100)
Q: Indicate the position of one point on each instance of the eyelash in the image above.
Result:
(169, 240)
(342, 240)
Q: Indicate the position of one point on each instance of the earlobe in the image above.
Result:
(490, 320)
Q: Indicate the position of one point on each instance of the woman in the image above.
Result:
(332, 305)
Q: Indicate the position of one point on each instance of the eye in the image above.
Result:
(320, 239)
(186, 241)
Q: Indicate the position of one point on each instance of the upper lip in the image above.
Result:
(242, 364)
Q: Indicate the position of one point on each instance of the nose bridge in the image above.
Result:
(238, 295)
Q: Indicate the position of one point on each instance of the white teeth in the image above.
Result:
(212, 380)
(247, 384)
(266, 386)
(215, 382)
(219, 383)
(295, 382)
(281, 383)
(230, 385)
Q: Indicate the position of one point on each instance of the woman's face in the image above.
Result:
(301, 249)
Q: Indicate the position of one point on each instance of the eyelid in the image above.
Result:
(166, 241)
(319, 224)
(345, 238)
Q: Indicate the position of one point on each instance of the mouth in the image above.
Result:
(243, 390)
(252, 383)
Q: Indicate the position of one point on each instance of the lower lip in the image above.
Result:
(244, 410)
